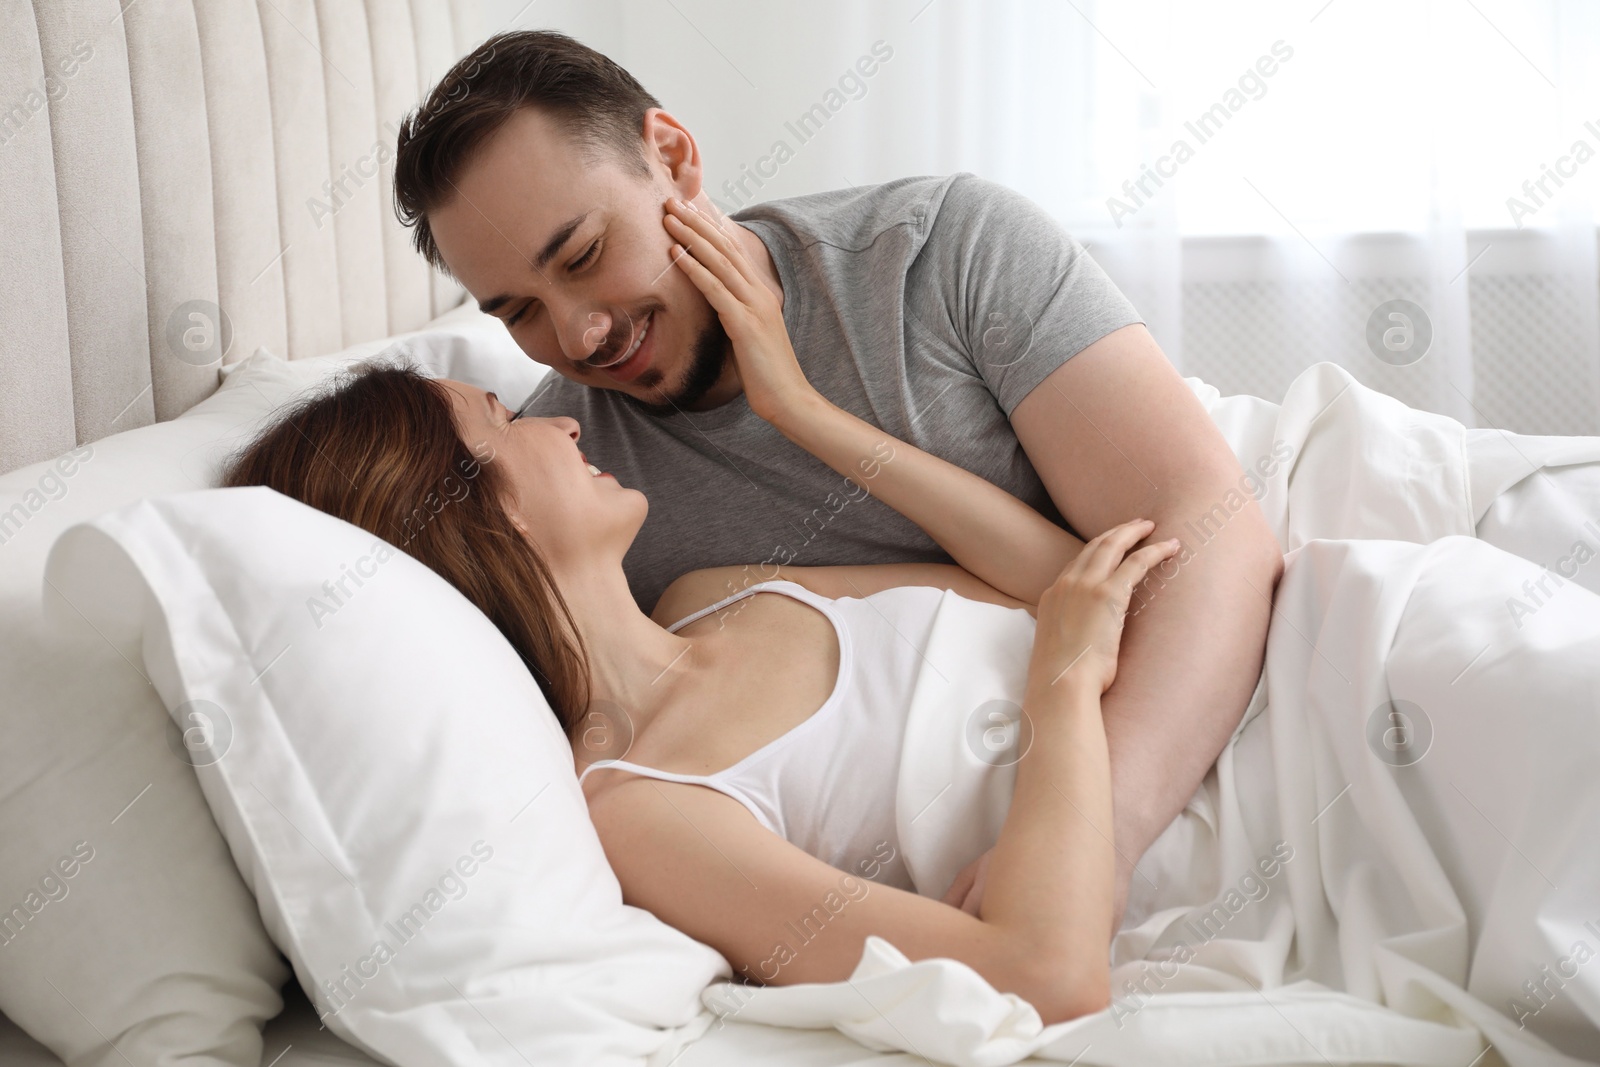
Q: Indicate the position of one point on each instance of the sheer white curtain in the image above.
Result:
(1405, 187)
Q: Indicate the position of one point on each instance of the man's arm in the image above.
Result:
(1114, 433)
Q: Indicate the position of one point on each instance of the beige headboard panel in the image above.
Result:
(238, 153)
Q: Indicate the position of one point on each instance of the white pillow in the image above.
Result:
(392, 784)
(153, 939)
(463, 344)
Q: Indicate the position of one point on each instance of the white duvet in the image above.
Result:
(1397, 857)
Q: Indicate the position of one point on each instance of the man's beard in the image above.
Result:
(708, 357)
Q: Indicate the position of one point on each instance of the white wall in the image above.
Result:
(736, 83)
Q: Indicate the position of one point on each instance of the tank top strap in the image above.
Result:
(710, 782)
(782, 585)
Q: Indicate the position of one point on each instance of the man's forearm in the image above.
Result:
(1191, 653)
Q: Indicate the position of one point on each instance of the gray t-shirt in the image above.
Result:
(927, 306)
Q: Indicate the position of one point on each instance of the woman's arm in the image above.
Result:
(984, 528)
(700, 862)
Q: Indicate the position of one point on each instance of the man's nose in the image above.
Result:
(584, 332)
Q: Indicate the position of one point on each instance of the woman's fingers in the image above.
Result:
(705, 279)
(716, 229)
(1138, 564)
(713, 248)
(693, 241)
(1102, 554)
(1131, 572)
(1150, 555)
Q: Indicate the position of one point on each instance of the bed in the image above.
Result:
(173, 226)
(295, 1039)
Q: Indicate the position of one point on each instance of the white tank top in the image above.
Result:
(828, 785)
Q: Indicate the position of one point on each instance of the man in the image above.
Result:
(950, 311)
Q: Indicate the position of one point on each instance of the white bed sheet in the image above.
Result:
(296, 1039)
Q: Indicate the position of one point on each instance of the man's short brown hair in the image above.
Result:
(589, 97)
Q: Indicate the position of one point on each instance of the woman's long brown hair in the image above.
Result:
(380, 450)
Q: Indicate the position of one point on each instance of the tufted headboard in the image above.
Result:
(164, 159)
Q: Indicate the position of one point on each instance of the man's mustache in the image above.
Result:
(608, 352)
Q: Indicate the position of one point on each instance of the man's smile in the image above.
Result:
(638, 340)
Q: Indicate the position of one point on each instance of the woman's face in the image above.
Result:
(567, 510)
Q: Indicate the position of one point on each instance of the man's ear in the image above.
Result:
(668, 143)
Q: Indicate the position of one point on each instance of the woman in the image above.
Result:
(702, 693)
